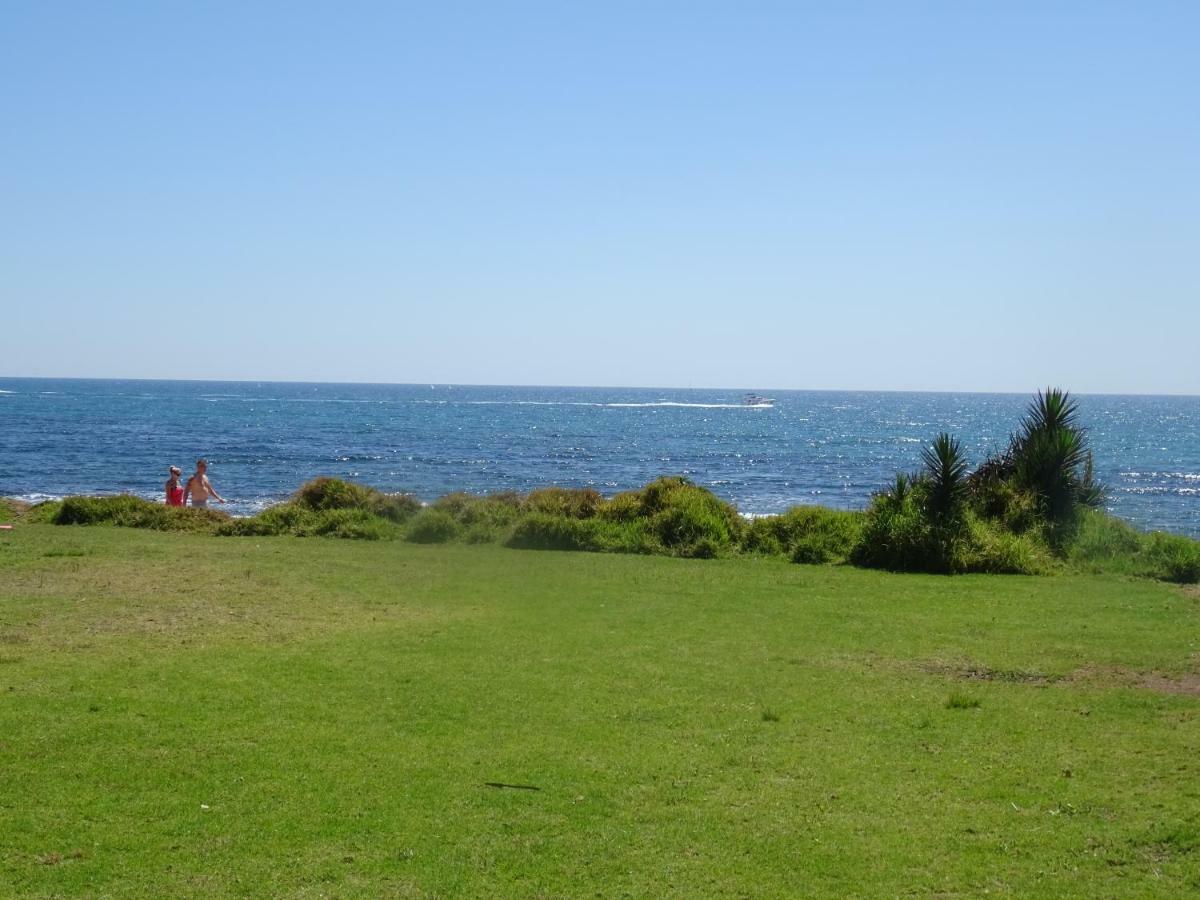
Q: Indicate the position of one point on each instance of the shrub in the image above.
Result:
(897, 536)
(283, 518)
(483, 533)
(432, 526)
(1172, 557)
(681, 517)
(1103, 543)
(493, 512)
(542, 531)
(355, 524)
(1004, 502)
(899, 532)
(128, 511)
(945, 480)
(331, 493)
(396, 508)
(326, 493)
(623, 507)
(808, 534)
(1050, 458)
(624, 537)
(300, 521)
(992, 548)
(573, 503)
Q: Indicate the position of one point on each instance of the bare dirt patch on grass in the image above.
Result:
(977, 672)
(1184, 684)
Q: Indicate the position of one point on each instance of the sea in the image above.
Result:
(834, 448)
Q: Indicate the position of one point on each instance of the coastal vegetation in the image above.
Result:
(191, 716)
(903, 530)
(1031, 509)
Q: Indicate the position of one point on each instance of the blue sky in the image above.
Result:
(958, 196)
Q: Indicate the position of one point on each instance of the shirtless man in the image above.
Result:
(200, 488)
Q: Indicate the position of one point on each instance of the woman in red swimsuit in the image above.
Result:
(174, 488)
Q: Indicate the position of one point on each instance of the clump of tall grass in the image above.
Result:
(682, 518)
(432, 526)
(1104, 544)
(299, 521)
(326, 493)
(494, 513)
(571, 503)
(129, 511)
(805, 534)
(542, 531)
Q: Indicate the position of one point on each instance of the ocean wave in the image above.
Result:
(1162, 490)
(1169, 476)
(214, 398)
(36, 497)
(7, 392)
(691, 405)
(617, 405)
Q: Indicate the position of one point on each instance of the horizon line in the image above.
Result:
(598, 387)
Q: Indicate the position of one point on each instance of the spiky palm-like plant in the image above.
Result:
(1051, 457)
(946, 473)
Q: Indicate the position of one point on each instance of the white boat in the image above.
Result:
(758, 400)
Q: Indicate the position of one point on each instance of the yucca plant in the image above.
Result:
(946, 474)
(1051, 458)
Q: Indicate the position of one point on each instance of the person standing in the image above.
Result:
(174, 488)
(199, 488)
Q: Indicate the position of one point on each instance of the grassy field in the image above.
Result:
(185, 715)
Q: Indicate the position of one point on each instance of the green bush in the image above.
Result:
(1003, 501)
(354, 524)
(331, 493)
(396, 508)
(1049, 458)
(486, 512)
(808, 534)
(283, 518)
(483, 533)
(896, 535)
(432, 526)
(300, 521)
(681, 517)
(541, 531)
(623, 507)
(572, 503)
(992, 548)
(1172, 557)
(326, 493)
(127, 511)
(1103, 543)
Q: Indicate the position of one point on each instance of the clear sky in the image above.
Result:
(906, 195)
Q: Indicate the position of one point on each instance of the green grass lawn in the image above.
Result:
(196, 716)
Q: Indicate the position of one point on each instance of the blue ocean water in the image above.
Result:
(61, 437)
